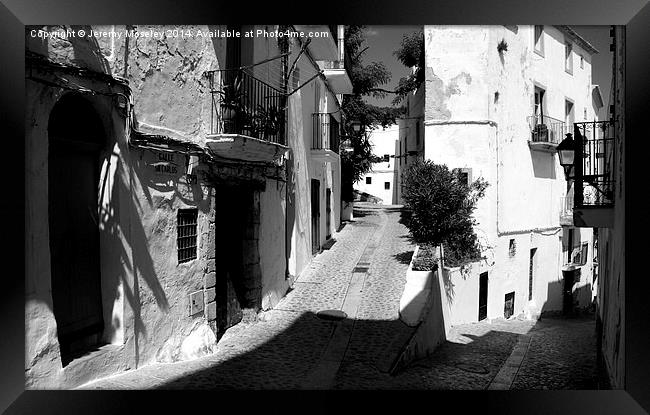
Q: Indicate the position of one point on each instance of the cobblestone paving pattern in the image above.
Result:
(285, 345)
(378, 332)
(562, 355)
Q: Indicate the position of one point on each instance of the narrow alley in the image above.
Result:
(363, 275)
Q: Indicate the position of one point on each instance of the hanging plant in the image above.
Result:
(502, 46)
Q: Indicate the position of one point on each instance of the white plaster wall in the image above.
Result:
(467, 124)
(163, 285)
(383, 142)
(376, 187)
(144, 292)
(272, 243)
(43, 368)
(302, 104)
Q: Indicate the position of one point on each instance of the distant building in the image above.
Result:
(411, 138)
(498, 101)
(379, 183)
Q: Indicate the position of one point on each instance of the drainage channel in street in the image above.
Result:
(322, 377)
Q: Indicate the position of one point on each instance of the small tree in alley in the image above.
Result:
(439, 209)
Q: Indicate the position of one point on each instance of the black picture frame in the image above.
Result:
(15, 14)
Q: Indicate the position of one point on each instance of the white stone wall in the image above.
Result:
(305, 167)
(383, 141)
(145, 292)
(476, 109)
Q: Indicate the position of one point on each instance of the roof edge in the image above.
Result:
(582, 42)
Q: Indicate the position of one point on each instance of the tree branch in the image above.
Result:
(359, 54)
(382, 90)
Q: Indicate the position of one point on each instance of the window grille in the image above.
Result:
(368, 180)
(186, 234)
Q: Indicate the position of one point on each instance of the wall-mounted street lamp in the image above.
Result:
(356, 125)
(566, 151)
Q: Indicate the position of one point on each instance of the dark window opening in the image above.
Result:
(539, 39)
(186, 234)
(568, 58)
(531, 271)
(509, 305)
(512, 248)
(368, 180)
(386, 185)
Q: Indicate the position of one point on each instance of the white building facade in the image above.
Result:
(498, 101)
(380, 182)
(162, 210)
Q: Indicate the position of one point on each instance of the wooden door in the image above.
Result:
(73, 176)
(482, 296)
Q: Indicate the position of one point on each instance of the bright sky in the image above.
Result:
(384, 40)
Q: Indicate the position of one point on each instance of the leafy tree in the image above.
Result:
(411, 54)
(440, 207)
(367, 80)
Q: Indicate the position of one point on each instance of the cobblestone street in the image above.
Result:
(290, 347)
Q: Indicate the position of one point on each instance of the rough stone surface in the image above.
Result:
(211, 311)
(210, 279)
(286, 347)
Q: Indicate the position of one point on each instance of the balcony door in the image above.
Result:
(539, 105)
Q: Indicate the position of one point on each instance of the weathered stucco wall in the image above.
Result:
(272, 243)
(476, 116)
(145, 292)
(42, 356)
(163, 320)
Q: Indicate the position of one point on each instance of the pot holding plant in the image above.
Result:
(230, 104)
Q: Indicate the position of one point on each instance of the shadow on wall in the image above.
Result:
(543, 165)
(564, 299)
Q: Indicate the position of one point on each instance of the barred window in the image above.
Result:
(186, 234)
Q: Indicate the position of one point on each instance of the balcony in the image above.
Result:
(594, 174)
(545, 133)
(323, 42)
(248, 117)
(326, 137)
(337, 76)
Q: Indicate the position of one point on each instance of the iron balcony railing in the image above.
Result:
(594, 163)
(546, 129)
(342, 61)
(243, 104)
(326, 132)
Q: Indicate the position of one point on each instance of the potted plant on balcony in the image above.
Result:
(230, 104)
(540, 132)
(267, 122)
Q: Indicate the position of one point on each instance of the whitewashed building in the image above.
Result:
(175, 186)
(379, 183)
(498, 100)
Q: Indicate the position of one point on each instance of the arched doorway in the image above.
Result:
(76, 137)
